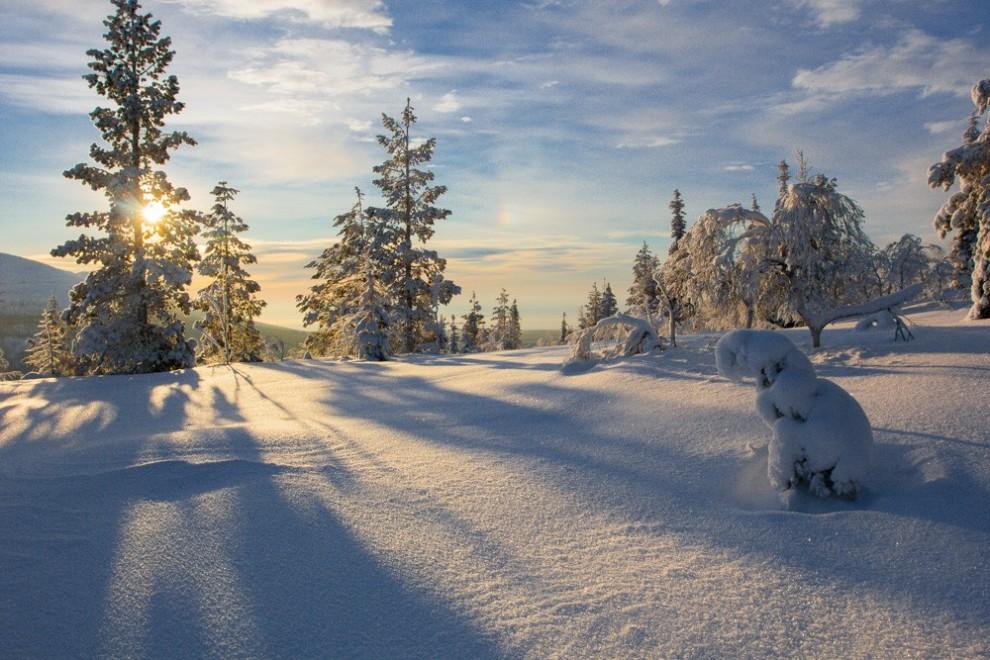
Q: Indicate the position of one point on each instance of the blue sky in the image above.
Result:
(562, 126)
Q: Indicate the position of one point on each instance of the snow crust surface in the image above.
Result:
(490, 506)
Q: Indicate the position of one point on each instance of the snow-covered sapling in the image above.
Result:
(821, 436)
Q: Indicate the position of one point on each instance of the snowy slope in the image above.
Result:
(489, 505)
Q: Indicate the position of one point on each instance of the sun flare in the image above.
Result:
(153, 212)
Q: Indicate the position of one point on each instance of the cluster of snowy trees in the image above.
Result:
(601, 304)
(475, 335)
(379, 287)
(127, 316)
(809, 263)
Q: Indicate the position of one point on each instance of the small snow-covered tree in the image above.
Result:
(230, 301)
(610, 306)
(415, 274)
(906, 262)
(783, 179)
(48, 351)
(472, 330)
(454, 339)
(642, 299)
(498, 337)
(592, 311)
(967, 211)
(678, 224)
(564, 329)
(821, 436)
(128, 311)
(369, 324)
(515, 327)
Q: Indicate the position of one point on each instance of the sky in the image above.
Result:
(562, 126)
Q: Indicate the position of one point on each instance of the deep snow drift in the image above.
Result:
(491, 505)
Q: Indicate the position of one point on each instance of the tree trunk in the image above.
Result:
(816, 336)
(750, 312)
(672, 327)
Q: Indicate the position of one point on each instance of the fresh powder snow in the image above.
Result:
(490, 505)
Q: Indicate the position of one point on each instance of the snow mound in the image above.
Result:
(821, 436)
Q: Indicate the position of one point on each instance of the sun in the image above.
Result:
(153, 212)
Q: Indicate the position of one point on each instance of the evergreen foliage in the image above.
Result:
(48, 351)
(967, 211)
(364, 249)
(642, 299)
(472, 330)
(515, 327)
(230, 301)
(454, 339)
(678, 225)
(414, 276)
(128, 311)
(610, 306)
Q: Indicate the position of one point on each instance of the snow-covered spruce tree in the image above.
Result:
(341, 278)
(821, 436)
(642, 299)
(967, 211)
(48, 351)
(415, 275)
(564, 329)
(783, 178)
(443, 336)
(128, 311)
(591, 313)
(515, 327)
(610, 306)
(369, 324)
(673, 277)
(454, 346)
(229, 302)
(472, 334)
(498, 337)
(678, 224)
(4, 362)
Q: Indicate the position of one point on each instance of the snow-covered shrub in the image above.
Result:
(883, 320)
(640, 337)
(821, 436)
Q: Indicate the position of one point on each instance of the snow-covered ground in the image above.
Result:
(491, 505)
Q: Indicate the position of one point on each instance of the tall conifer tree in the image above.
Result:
(128, 311)
(415, 277)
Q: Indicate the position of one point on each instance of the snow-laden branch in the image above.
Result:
(889, 301)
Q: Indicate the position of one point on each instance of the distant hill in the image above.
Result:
(25, 285)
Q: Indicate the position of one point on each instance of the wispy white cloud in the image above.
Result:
(362, 14)
(738, 167)
(917, 61)
(832, 12)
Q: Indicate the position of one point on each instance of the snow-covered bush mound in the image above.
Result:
(640, 337)
(821, 436)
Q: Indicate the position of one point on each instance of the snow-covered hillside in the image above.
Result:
(25, 284)
(490, 505)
